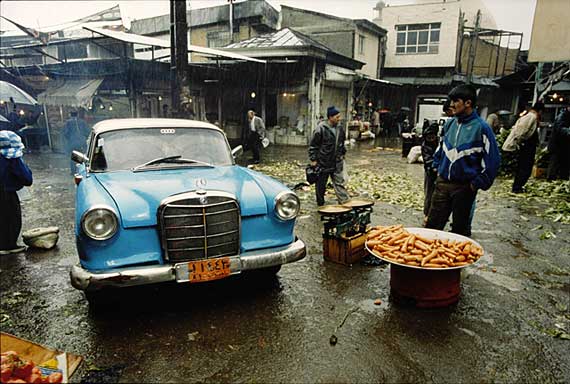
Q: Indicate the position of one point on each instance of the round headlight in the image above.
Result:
(287, 205)
(99, 223)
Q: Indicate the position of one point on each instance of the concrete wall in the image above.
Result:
(338, 34)
(370, 54)
(550, 39)
(445, 13)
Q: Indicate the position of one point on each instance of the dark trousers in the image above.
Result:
(559, 165)
(255, 144)
(429, 186)
(455, 199)
(11, 222)
(525, 161)
(338, 182)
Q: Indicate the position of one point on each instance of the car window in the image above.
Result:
(128, 148)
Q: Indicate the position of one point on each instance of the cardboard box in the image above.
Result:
(38, 353)
(344, 250)
(538, 173)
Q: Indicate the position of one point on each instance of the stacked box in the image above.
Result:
(346, 250)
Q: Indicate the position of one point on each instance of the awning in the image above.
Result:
(375, 80)
(340, 74)
(154, 42)
(9, 91)
(419, 80)
(73, 93)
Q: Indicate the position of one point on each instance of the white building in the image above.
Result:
(434, 45)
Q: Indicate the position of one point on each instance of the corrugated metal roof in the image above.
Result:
(285, 37)
(420, 80)
(152, 41)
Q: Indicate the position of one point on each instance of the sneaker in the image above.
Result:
(18, 249)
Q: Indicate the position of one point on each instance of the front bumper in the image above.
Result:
(125, 277)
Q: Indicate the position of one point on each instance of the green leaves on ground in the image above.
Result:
(550, 198)
(387, 187)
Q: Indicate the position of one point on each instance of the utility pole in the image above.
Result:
(179, 82)
(473, 48)
(231, 17)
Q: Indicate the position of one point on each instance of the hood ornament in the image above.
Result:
(201, 183)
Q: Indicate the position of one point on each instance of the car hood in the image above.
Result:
(138, 194)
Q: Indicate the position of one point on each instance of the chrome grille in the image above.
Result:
(195, 226)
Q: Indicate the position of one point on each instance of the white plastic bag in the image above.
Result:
(415, 154)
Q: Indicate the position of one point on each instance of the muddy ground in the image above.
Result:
(509, 324)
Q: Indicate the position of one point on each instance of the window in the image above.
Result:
(417, 38)
(360, 45)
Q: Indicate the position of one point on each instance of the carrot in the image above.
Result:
(426, 259)
(421, 245)
(423, 239)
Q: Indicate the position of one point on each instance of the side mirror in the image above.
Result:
(79, 157)
(237, 151)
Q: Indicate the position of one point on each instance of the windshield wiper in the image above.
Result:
(176, 159)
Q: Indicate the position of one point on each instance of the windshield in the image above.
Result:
(130, 148)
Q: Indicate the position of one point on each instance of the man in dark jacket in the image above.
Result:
(327, 150)
(559, 147)
(14, 174)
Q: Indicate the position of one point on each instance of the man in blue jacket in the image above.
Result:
(14, 174)
(466, 160)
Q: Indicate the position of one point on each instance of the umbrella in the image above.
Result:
(10, 91)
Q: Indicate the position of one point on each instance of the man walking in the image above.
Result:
(327, 151)
(466, 160)
(524, 139)
(256, 133)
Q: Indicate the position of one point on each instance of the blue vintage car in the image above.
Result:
(163, 200)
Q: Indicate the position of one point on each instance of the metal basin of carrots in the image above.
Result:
(425, 264)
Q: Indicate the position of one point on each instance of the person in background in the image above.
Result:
(75, 134)
(327, 151)
(448, 113)
(15, 119)
(430, 140)
(466, 160)
(494, 121)
(559, 147)
(256, 133)
(375, 121)
(524, 138)
(14, 175)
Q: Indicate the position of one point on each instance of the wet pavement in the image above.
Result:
(506, 327)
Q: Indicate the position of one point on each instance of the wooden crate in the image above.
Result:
(344, 250)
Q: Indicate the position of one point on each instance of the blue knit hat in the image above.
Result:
(332, 111)
(11, 146)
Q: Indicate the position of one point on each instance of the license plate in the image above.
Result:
(207, 270)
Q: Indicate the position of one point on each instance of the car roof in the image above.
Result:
(117, 124)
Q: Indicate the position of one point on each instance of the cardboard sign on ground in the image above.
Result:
(35, 352)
